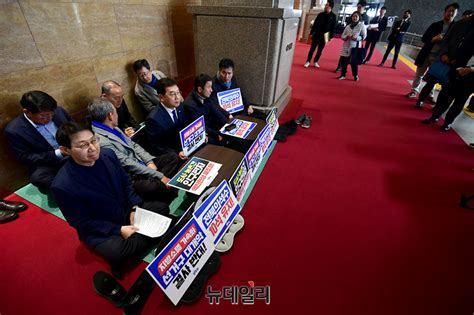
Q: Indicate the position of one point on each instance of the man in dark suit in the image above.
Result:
(96, 197)
(32, 135)
(112, 91)
(379, 24)
(429, 53)
(166, 120)
(324, 23)
(197, 104)
(395, 39)
(224, 81)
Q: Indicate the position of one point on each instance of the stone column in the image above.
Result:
(259, 35)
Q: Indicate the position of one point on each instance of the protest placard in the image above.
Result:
(178, 264)
(231, 100)
(217, 212)
(195, 176)
(193, 136)
(240, 180)
(242, 128)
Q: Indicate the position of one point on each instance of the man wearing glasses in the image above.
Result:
(166, 120)
(32, 135)
(145, 88)
(96, 197)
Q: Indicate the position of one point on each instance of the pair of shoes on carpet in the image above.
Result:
(108, 287)
(196, 288)
(9, 210)
(285, 130)
(228, 239)
(14, 206)
(8, 216)
(304, 121)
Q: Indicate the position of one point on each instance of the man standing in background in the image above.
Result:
(321, 32)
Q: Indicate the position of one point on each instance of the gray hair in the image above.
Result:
(108, 85)
(99, 108)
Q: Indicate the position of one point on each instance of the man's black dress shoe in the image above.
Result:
(16, 206)
(393, 67)
(7, 216)
(106, 286)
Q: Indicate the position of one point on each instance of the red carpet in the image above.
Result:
(356, 215)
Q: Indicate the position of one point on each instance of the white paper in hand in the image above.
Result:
(150, 223)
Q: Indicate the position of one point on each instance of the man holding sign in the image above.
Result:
(198, 104)
(224, 81)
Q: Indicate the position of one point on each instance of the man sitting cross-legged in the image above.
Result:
(96, 197)
(150, 174)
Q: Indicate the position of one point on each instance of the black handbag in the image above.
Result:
(358, 54)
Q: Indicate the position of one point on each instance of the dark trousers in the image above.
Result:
(344, 62)
(370, 46)
(151, 189)
(119, 251)
(168, 162)
(316, 42)
(457, 91)
(391, 44)
(426, 90)
(43, 176)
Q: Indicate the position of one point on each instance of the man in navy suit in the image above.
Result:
(32, 135)
(166, 120)
(395, 39)
(96, 197)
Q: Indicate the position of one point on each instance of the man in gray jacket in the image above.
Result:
(145, 88)
(150, 174)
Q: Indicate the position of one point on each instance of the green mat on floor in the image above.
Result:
(177, 207)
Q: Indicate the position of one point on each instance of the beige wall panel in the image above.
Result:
(142, 26)
(17, 47)
(71, 31)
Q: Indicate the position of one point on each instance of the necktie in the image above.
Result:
(175, 117)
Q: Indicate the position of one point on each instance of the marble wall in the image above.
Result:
(68, 47)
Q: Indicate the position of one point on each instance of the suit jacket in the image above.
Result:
(96, 200)
(125, 119)
(324, 23)
(163, 133)
(146, 95)
(433, 30)
(218, 86)
(399, 34)
(455, 36)
(29, 145)
(213, 117)
(374, 36)
(130, 154)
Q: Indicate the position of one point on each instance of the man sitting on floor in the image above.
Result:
(150, 174)
(197, 104)
(32, 135)
(145, 88)
(112, 91)
(224, 81)
(166, 120)
(96, 197)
